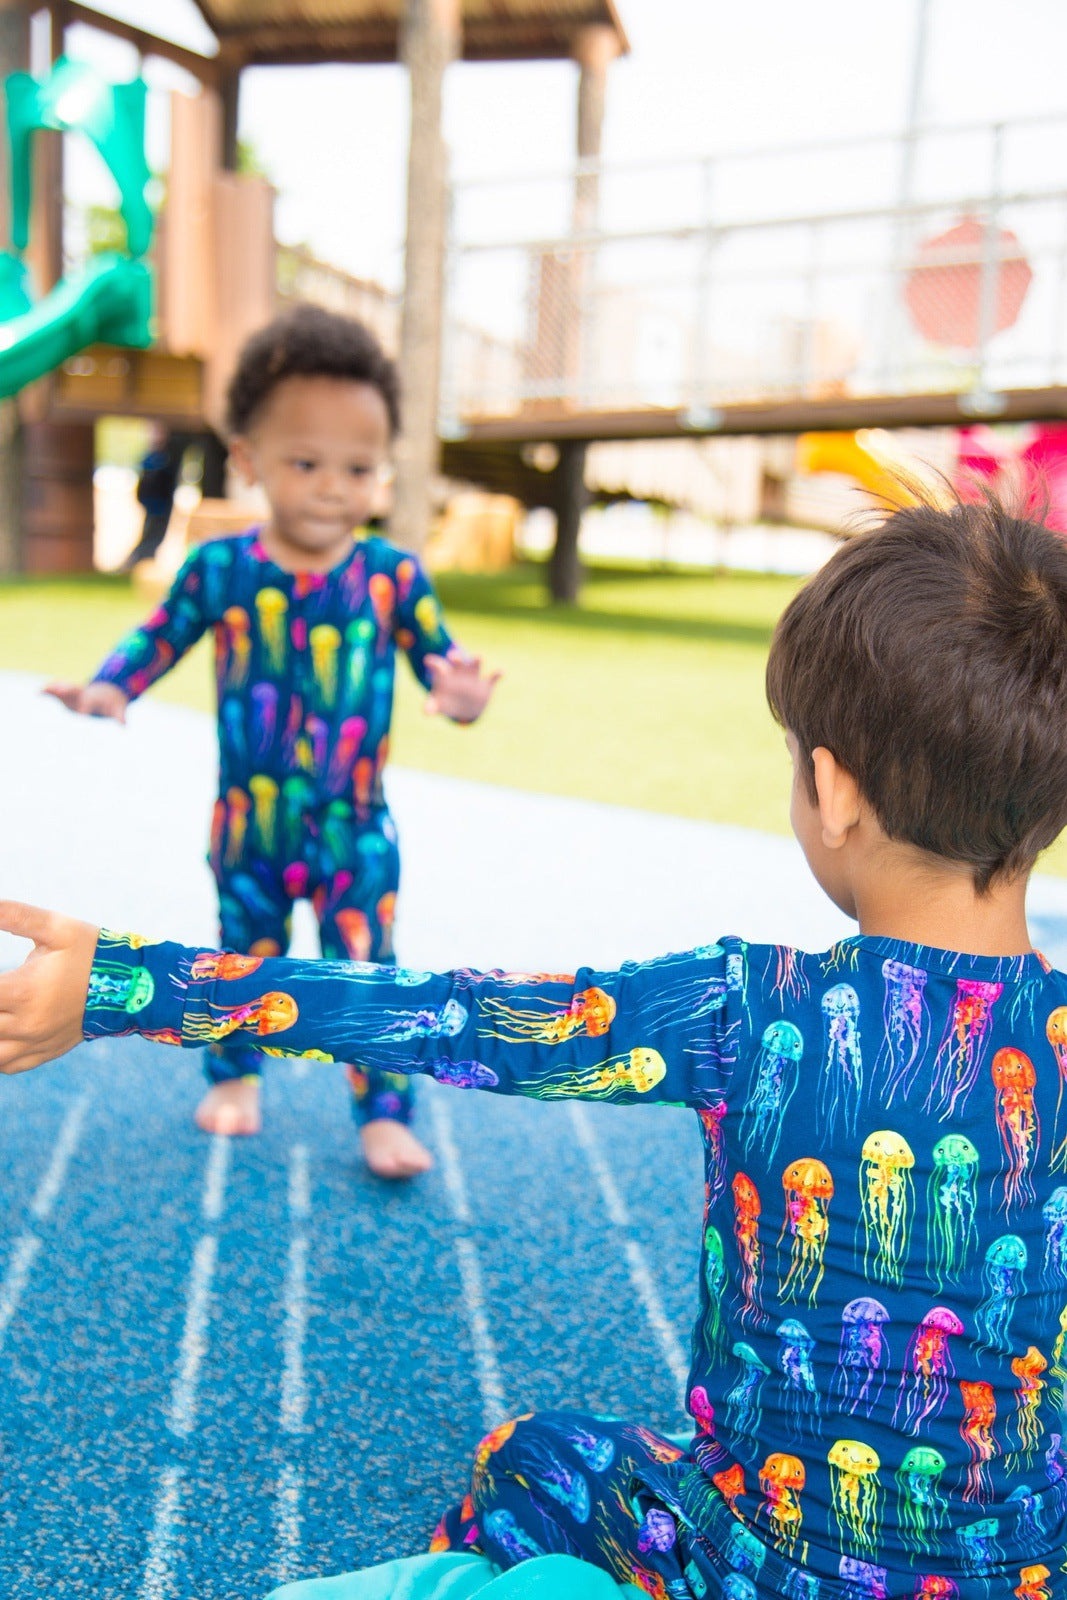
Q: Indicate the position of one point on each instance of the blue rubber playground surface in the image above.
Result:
(230, 1363)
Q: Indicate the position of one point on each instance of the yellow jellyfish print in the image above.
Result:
(325, 641)
(617, 1078)
(781, 1478)
(809, 1188)
(264, 792)
(238, 805)
(589, 1014)
(856, 1495)
(887, 1203)
(428, 617)
(295, 1055)
(272, 606)
(1028, 1369)
(268, 1013)
(235, 648)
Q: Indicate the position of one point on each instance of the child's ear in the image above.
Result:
(838, 797)
(241, 455)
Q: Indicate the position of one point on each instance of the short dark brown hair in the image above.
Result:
(308, 341)
(929, 655)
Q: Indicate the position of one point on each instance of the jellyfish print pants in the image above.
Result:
(562, 1482)
(353, 900)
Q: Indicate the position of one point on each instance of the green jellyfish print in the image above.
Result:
(921, 1505)
(112, 985)
(951, 1204)
(715, 1281)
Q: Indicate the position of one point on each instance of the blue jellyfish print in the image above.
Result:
(744, 1409)
(979, 1550)
(951, 1203)
(1031, 1523)
(777, 1070)
(543, 1469)
(841, 1082)
(502, 1530)
(800, 1585)
(425, 1023)
(906, 1020)
(744, 1552)
(862, 1580)
(1054, 1213)
(860, 1372)
(736, 1586)
(460, 1074)
(595, 1450)
(1005, 1263)
(795, 1347)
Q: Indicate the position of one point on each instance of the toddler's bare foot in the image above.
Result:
(231, 1108)
(391, 1150)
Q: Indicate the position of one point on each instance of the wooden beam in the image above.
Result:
(204, 68)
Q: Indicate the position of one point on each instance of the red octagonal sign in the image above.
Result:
(943, 289)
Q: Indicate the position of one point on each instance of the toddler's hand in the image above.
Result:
(91, 699)
(42, 1003)
(458, 688)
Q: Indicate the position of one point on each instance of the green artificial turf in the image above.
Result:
(648, 694)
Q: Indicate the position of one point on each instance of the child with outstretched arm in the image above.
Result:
(880, 1352)
(308, 611)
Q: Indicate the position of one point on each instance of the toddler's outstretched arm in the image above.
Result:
(42, 1003)
(91, 699)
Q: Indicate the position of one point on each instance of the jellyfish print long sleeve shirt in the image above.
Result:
(880, 1347)
(305, 671)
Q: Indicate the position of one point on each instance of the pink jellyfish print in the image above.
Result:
(775, 1080)
(781, 1480)
(906, 1025)
(1056, 1033)
(921, 1507)
(789, 977)
(855, 1495)
(841, 1082)
(711, 1120)
(959, 1055)
(1028, 1369)
(747, 1211)
(1005, 1264)
(928, 1366)
(976, 1431)
(932, 1586)
(744, 1409)
(350, 736)
(701, 1409)
(951, 1203)
(795, 1348)
(1015, 1079)
(1054, 1216)
(886, 1204)
(1033, 1583)
(860, 1372)
(808, 1189)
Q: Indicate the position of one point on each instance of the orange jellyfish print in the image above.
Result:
(272, 606)
(589, 1014)
(781, 1479)
(1056, 1033)
(212, 964)
(493, 1441)
(1033, 1583)
(887, 1204)
(235, 646)
(856, 1495)
(747, 1211)
(238, 805)
(386, 909)
(976, 1431)
(1014, 1078)
(405, 577)
(1028, 1429)
(382, 598)
(269, 1013)
(355, 931)
(809, 1188)
(958, 1062)
(730, 1483)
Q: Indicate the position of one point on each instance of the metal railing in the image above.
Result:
(873, 267)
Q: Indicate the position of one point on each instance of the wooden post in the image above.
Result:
(595, 48)
(430, 39)
(14, 57)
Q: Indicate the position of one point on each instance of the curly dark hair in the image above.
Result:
(308, 341)
(929, 655)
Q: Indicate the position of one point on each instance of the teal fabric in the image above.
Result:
(458, 1577)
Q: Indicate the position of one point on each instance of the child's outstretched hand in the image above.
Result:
(458, 688)
(90, 699)
(42, 1003)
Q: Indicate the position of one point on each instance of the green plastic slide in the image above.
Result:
(110, 302)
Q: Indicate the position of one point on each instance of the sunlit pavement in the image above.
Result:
(225, 1364)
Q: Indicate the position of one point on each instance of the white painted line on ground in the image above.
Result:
(65, 1145)
(490, 1382)
(640, 1274)
(181, 1416)
(288, 1533)
(158, 1581)
(299, 1182)
(15, 1278)
(218, 1166)
(293, 1403)
(301, 1067)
